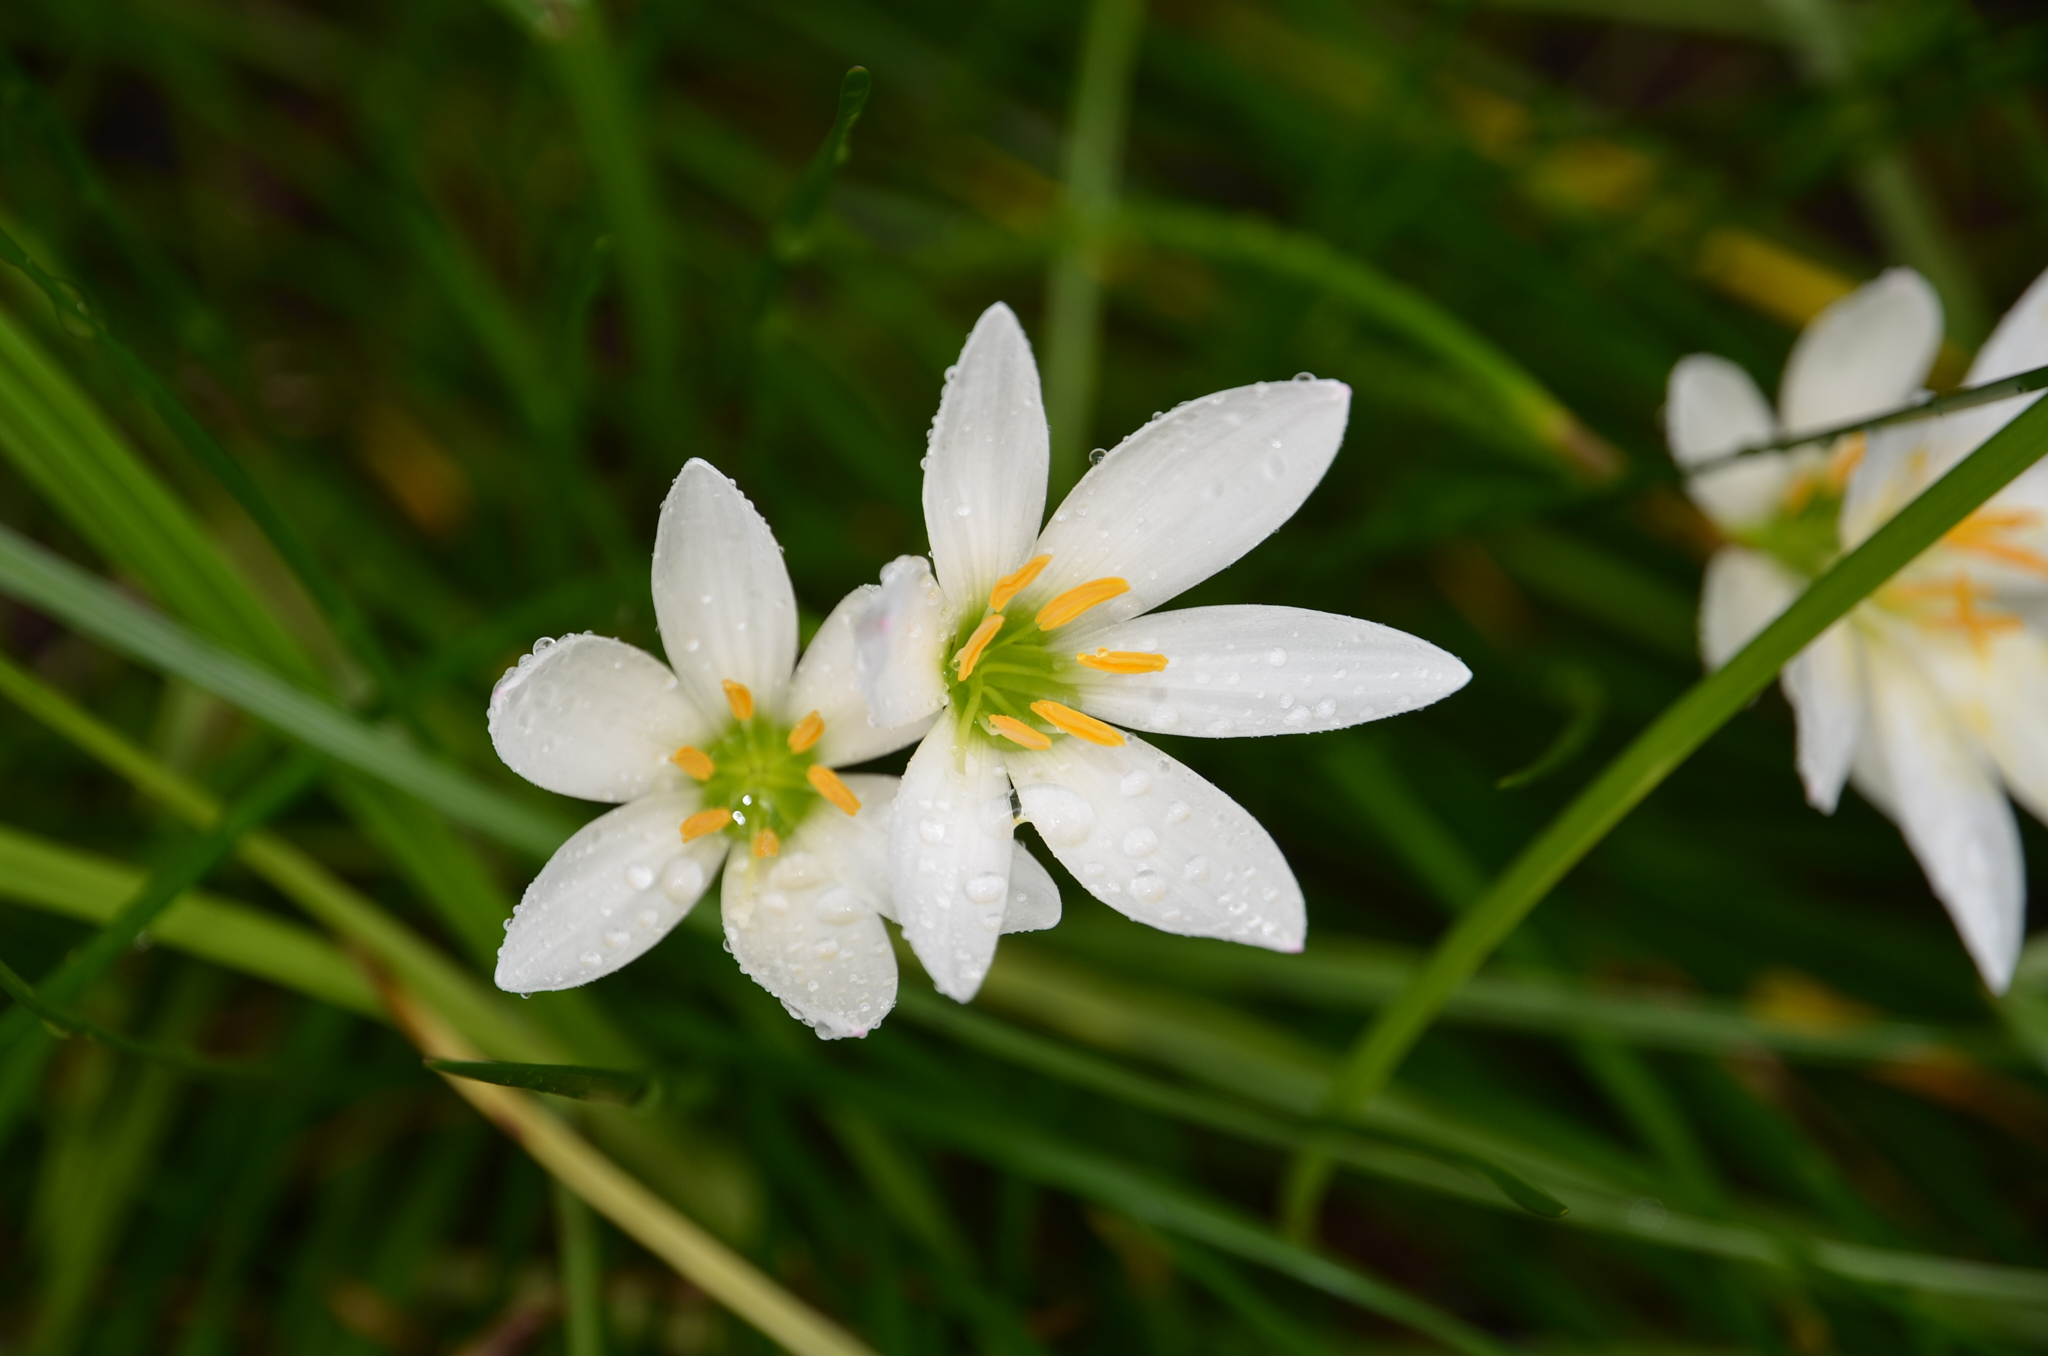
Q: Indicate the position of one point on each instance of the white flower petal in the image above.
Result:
(858, 845)
(1711, 408)
(985, 468)
(1745, 492)
(1157, 842)
(608, 894)
(899, 639)
(1034, 903)
(1999, 692)
(1192, 491)
(593, 717)
(950, 859)
(1742, 593)
(1866, 353)
(828, 681)
(1948, 802)
(800, 933)
(1253, 670)
(1824, 683)
(721, 592)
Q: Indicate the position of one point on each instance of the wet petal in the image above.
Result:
(1711, 408)
(1863, 355)
(1742, 593)
(950, 858)
(900, 635)
(800, 932)
(828, 681)
(593, 717)
(1157, 842)
(721, 593)
(1252, 670)
(1192, 491)
(984, 473)
(1824, 683)
(1947, 799)
(607, 895)
(1034, 903)
(858, 845)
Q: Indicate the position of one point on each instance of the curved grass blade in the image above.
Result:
(70, 1024)
(74, 884)
(791, 238)
(291, 544)
(1652, 757)
(185, 868)
(55, 586)
(1313, 261)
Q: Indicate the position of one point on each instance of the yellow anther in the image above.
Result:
(696, 762)
(1980, 533)
(1015, 582)
(806, 732)
(826, 783)
(1844, 460)
(705, 821)
(1077, 600)
(1017, 732)
(1077, 724)
(970, 653)
(766, 844)
(1122, 661)
(739, 699)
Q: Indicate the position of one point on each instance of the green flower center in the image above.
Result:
(760, 779)
(1805, 534)
(1013, 668)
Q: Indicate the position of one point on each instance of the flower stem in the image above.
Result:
(1641, 768)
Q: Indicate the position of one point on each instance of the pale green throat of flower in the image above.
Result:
(1010, 679)
(760, 777)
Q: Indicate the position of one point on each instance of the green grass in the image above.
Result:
(346, 349)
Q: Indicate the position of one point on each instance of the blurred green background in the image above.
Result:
(385, 326)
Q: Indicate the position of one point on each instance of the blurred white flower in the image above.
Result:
(725, 760)
(1932, 695)
(1039, 646)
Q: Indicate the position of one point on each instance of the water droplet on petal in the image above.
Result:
(639, 877)
(1197, 869)
(1062, 817)
(1177, 812)
(682, 880)
(1148, 887)
(1276, 657)
(591, 959)
(1140, 842)
(838, 906)
(932, 830)
(1135, 783)
(986, 889)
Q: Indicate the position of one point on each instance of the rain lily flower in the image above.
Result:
(1042, 649)
(1931, 696)
(723, 756)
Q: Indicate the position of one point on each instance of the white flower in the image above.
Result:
(1931, 695)
(1035, 640)
(727, 759)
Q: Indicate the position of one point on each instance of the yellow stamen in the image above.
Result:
(766, 844)
(1122, 661)
(1077, 600)
(806, 733)
(1980, 531)
(1078, 724)
(705, 821)
(739, 699)
(1965, 594)
(696, 762)
(1015, 582)
(970, 653)
(1017, 732)
(826, 783)
(1844, 460)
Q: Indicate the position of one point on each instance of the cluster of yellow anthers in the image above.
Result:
(802, 736)
(1055, 614)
